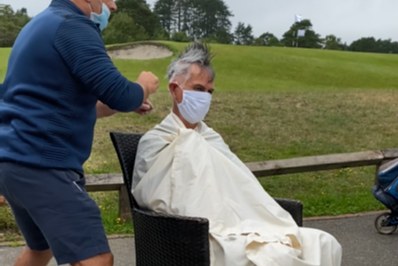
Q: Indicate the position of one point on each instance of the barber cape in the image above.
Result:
(194, 173)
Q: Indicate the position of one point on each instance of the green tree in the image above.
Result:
(198, 19)
(143, 17)
(11, 24)
(174, 16)
(220, 36)
(370, 44)
(122, 28)
(243, 34)
(310, 39)
(387, 46)
(164, 10)
(211, 20)
(333, 43)
(267, 39)
(183, 15)
(180, 37)
(364, 45)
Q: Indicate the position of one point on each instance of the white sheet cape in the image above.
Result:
(194, 173)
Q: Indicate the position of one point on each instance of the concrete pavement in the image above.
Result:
(362, 245)
(122, 249)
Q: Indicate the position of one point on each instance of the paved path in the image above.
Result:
(362, 245)
(122, 249)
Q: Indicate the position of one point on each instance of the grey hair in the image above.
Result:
(196, 53)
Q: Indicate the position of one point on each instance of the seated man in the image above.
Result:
(184, 167)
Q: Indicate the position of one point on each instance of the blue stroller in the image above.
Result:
(386, 191)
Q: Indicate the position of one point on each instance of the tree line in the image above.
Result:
(188, 20)
(11, 24)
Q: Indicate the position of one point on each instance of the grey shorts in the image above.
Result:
(53, 210)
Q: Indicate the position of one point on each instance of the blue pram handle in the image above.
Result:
(386, 187)
(387, 173)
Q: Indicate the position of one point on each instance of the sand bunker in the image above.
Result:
(141, 52)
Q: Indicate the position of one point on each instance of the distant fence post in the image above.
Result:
(124, 205)
(111, 182)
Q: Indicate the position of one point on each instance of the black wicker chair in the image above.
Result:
(173, 240)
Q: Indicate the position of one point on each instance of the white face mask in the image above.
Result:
(101, 19)
(194, 105)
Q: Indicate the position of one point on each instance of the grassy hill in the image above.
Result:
(276, 103)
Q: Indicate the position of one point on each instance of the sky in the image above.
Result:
(348, 20)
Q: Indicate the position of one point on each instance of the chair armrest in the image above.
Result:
(294, 207)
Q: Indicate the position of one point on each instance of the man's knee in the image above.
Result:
(33, 257)
(105, 259)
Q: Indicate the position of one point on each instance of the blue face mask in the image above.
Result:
(101, 19)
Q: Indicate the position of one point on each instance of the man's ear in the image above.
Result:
(172, 88)
(175, 91)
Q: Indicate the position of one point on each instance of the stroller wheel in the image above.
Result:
(383, 225)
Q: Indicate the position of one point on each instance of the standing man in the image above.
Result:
(59, 80)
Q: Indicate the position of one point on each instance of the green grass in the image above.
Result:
(4, 54)
(277, 103)
(107, 202)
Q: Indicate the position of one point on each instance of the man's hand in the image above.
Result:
(103, 110)
(149, 82)
(145, 108)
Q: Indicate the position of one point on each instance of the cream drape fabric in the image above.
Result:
(194, 173)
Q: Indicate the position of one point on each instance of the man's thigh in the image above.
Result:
(53, 206)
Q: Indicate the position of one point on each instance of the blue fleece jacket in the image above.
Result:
(57, 70)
